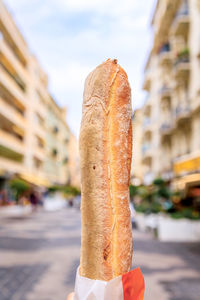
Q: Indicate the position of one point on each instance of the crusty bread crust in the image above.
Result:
(105, 152)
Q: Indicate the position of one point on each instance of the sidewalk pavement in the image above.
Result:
(39, 255)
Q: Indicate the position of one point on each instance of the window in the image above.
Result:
(39, 120)
(37, 162)
(54, 152)
(55, 129)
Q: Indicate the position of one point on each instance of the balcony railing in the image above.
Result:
(11, 113)
(15, 40)
(180, 24)
(146, 122)
(182, 58)
(10, 154)
(182, 64)
(11, 56)
(147, 80)
(14, 77)
(184, 9)
(10, 100)
(146, 148)
(12, 87)
(166, 128)
(165, 91)
(182, 111)
(11, 142)
(196, 101)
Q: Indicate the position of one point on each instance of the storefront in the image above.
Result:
(187, 174)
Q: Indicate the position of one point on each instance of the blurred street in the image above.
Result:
(40, 254)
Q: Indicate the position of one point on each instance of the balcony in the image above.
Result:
(39, 126)
(8, 141)
(12, 35)
(11, 101)
(166, 128)
(40, 153)
(147, 107)
(7, 52)
(15, 132)
(165, 92)
(39, 150)
(10, 165)
(40, 132)
(147, 80)
(38, 163)
(182, 112)
(40, 105)
(147, 152)
(182, 65)
(11, 86)
(165, 55)
(163, 22)
(196, 102)
(147, 124)
(181, 22)
(67, 138)
(11, 113)
(6, 66)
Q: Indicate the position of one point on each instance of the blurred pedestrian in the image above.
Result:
(34, 200)
(4, 197)
(70, 202)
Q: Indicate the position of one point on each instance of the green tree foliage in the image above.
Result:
(19, 187)
(160, 198)
(67, 190)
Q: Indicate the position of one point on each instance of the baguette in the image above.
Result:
(105, 152)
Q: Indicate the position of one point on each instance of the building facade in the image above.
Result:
(34, 136)
(136, 166)
(74, 162)
(171, 113)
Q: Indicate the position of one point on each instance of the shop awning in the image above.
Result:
(36, 180)
(187, 164)
(187, 180)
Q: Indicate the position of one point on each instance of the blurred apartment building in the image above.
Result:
(34, 136)
(74, 162)
(167, 127)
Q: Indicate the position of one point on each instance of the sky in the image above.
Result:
(71, 37)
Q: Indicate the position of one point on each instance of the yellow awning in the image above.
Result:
(187, 165)
(36, 180)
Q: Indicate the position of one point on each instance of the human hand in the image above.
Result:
(70, 296)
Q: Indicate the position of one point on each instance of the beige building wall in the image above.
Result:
(57, 144)
(34, 136)
(74, 162)
(171, 143)
(136, 167)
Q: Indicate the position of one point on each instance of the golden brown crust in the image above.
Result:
(105, 151)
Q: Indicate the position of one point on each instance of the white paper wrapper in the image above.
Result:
(129, 286)
(88, 289)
